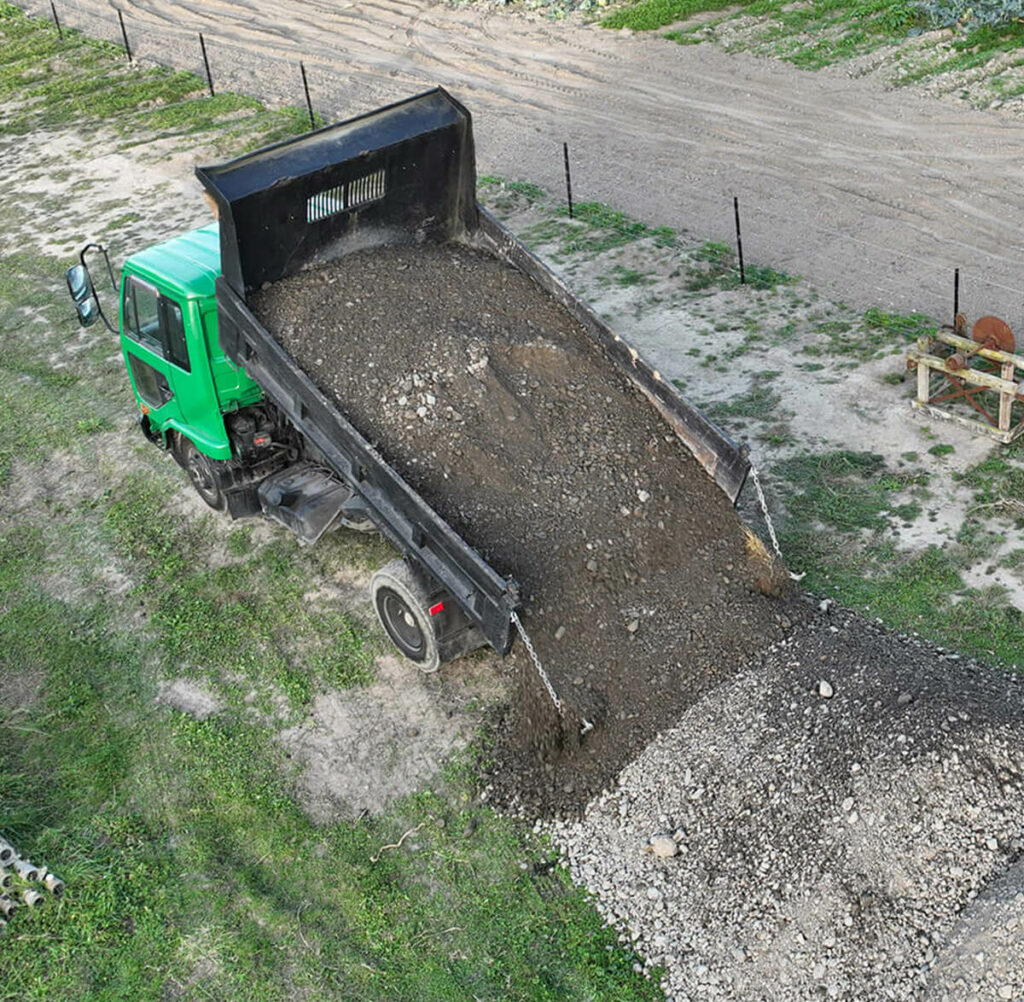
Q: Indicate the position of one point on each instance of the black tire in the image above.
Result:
(402, 605)
(200, 471)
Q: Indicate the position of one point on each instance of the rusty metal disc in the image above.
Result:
(991, 332)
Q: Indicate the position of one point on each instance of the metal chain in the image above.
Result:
(768, 520)
(531, 650)
(585, 725)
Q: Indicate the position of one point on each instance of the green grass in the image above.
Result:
(650, 14)
(844, 490)
(909, 327)
(715, 266)
(761, 402)
(997, 482)
(51, 82)
(596, 228)
(822, 32)
(187, 860)
(840, 508)
(250, 619)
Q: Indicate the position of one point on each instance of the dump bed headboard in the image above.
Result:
(405, 172)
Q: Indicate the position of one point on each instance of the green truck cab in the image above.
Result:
(193, 401)
(183, 383)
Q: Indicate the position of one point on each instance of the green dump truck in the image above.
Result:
(217, 391)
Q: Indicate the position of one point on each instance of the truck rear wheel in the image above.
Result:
(402, 603)
(200, 471)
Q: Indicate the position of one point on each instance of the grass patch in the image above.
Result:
(822, 32)
(840, 508)
(845, 490)
(187, 860)
(998, 483)
(909, 327)
(760, 401)
(650, 14)
(714, 266)
(251, 619)
(49, 82)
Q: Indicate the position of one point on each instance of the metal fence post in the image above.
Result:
(124, 35)
(739, 239)
(206, 63)
(309, 103)
(568, 178)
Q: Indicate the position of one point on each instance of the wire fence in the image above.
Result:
(834, 256)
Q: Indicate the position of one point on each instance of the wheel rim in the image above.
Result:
(201, 476)
(401, 624)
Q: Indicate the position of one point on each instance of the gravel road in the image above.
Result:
(841, 821)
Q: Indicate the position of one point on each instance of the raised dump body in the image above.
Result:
(298, 218)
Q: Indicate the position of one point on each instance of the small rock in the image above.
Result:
(1006, 992)
(559, 633)
(591, 565)
(644, 496)
(633, 626)
(825, 689)
(848, 805)
(664, 846)
(904, 699)
(653, 894)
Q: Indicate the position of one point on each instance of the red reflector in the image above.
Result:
(261, 440)
(435, 609)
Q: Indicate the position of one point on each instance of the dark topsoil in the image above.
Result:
(639, 589)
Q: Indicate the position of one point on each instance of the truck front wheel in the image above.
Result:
(200, 471)
(402, 605)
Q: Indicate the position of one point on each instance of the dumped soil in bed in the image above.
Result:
(640, 589)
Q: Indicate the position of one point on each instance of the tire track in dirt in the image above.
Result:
(899, 187)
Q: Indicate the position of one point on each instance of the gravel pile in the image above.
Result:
(840, 821)
(640, 589)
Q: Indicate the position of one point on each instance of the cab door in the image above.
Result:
(154, 347)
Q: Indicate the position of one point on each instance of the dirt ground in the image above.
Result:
(873, 195)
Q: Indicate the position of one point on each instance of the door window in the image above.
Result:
(155, 322)
(151, 383)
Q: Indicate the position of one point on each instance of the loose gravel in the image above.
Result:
(640, 588)
(790, 839)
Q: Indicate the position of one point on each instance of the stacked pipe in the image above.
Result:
(16, 877)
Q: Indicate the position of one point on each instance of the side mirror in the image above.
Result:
(88, 312)
(80, 285)
(84, 294)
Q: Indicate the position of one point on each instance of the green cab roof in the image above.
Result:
(186, 265)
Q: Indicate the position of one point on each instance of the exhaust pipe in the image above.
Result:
(33, 898)
(7, 852)
(7, 906)
(6, 877)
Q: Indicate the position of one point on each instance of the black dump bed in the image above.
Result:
(401, 175)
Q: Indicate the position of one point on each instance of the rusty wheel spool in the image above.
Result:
(994, 334)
